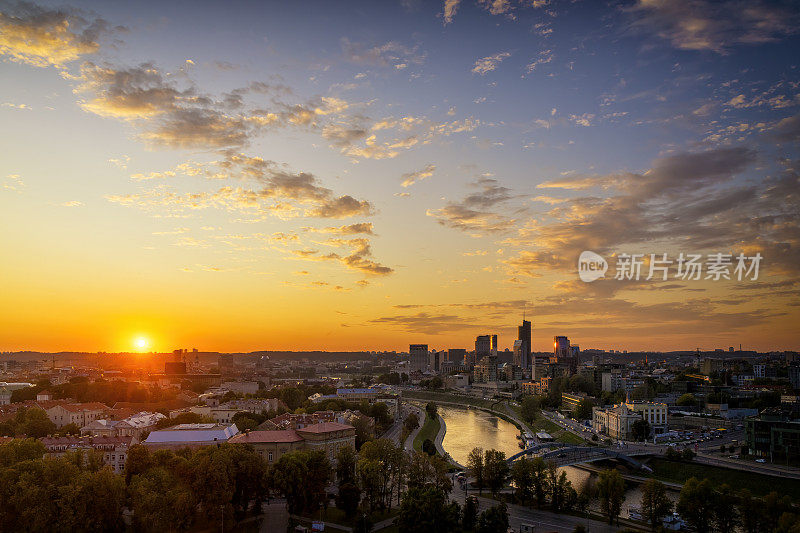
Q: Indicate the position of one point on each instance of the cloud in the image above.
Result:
(279, 192)
(496, 7)
(13, 182)
(692, 201)
(715, 25)
(475, 212)
(71, 203)
(787, 129)
(359, 256)
(392, 54)
(47, 37)
(410, 178)
(584, 119)
(489, 63)
(426, 323)
(176, 116)
(545, 56)
(449, 10)
(350, 229)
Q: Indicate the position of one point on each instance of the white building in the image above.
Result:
(617, 421)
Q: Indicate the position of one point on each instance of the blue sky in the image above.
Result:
(412, 171)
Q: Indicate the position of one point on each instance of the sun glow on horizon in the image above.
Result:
(141, 343)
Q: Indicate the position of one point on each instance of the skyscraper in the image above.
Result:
(483, 346)
(524, 335)
(418, 359)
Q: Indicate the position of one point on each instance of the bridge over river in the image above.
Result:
(562, 454)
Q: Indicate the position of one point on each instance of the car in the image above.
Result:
(761, 460)
(733, 456)
(562, 454)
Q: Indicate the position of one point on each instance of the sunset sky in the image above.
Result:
(239, 176)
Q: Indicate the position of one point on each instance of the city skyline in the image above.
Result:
(364, 175)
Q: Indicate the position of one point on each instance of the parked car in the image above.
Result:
(761, 460)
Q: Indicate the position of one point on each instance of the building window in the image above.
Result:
(270, 457)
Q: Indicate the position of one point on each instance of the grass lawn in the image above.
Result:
(758, 484)
(429, 431)
(569, 437)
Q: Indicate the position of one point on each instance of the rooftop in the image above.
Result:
(263, 437)
(192, 433)
(325, 427)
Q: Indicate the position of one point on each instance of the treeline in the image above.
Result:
(165, 490)
(724, 509)
(33, 422)
(107, 392)
(378, 479)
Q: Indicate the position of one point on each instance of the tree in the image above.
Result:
(529, 409)
(161, 501)
(686, 400)
(495, 469)
(93, 501)
(229, 475)
(751, 512)
(695, 504)
(724, 506)
(475, 467)
(640, 429)
(583, 411)
(301, 476)
(655, 503)
(611, 490)
(672, 454)
(522, 476)
(687, 454)
(411, 422)
(380, 467)
(559, 487)
(345, 464)
(348, 498)
(539, 479)
(432, 410)
(363, 524)
(69, 429)
(426, 509)
(470, 516)
(364, 430)
(19, 450)
(493, 519)
(429, 447)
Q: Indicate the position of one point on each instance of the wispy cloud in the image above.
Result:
(489, 63)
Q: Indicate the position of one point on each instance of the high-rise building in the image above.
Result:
(494, 345)
(524, 336)
(483, 346)
(486, 369)
(457, 355)
(418, 360)
(435, 359)
(561, 348)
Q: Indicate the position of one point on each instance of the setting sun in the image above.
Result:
(140, 343)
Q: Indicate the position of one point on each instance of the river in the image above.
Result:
(470, 428)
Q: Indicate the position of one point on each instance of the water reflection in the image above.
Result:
(468, 428)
